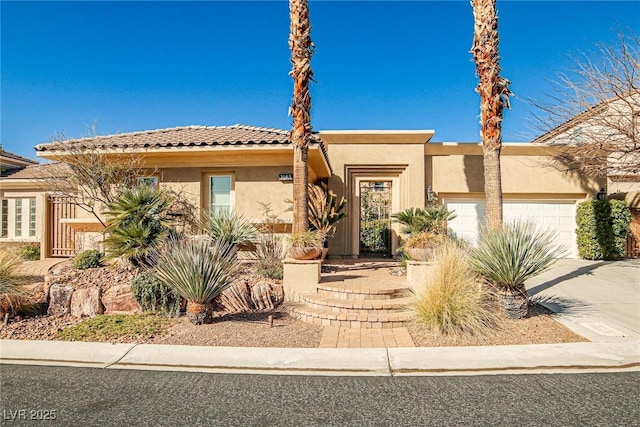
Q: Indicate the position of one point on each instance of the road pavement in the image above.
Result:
(100, 397)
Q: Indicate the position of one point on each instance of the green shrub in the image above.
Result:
(602, 228)
(29, 251)
(453, 302)
(268, 256)
(138, 224)
(87, 259)
(11, 291)
(153, 295)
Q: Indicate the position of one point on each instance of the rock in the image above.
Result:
(86, 303)
(119, 299)
(60, 299)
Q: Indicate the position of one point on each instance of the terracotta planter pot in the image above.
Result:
(420, 254)
(305, 253)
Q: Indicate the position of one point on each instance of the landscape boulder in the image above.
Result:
(59, 299)
(119, 299)
(86, 303)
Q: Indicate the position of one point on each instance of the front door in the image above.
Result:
(375, 218)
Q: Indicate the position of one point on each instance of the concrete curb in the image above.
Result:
(536, 358)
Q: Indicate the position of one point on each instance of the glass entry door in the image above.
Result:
(375, 218)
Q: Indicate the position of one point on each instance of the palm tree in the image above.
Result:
(494, 96)
(301, 51)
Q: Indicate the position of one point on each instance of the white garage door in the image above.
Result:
(559, 216)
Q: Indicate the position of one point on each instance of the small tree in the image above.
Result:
(592, 112)
(88, 177)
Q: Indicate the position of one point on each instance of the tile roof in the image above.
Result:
(186, 136)
(39, 171)
(13, 156)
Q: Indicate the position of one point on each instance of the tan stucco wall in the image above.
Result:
(457, 173)
(402, 164)
(251, 185)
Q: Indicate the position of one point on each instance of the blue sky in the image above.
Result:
(128, 66)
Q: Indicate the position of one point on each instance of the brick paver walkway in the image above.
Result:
(337, 337)
(37, 268)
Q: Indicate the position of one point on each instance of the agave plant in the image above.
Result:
(138, 223)
(230, 227)
(199, 270)
(509, 255)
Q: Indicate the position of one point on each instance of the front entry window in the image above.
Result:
(375, 218)
(220, 193)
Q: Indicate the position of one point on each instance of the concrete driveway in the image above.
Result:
(598, 299)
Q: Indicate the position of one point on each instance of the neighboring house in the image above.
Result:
(379, 172)
(30, 214)
(606, 139)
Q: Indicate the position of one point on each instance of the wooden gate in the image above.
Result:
(62, 237)
(633, 241)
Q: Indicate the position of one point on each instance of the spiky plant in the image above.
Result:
(430, 218)
(494, 97)
(451, 301)
(325, 210)
(10, 286)
(301, 48)
(199, 270)
(229, 226)
(138, 224)
(511, 254)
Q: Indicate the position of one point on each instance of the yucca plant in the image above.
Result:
(511, 254)
(199, 270)
(230, 227)
(138, 224)
(451, 301)
(10, 287)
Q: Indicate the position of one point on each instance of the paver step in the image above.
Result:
(340, 290)
(351, 320)
(379, 306)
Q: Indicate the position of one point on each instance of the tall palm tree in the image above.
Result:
(301, 51)
(494, 96)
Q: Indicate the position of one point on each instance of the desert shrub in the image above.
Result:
(138, 224)
(602, 228)
(509, 255)
(11, 290)
(432, 218)
(29, 251)
(230, 227)
(90, 258)
(153, 295)
(452, 302)
(199, 270)
(268, 256)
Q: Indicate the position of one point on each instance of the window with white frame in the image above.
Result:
(4, 227)
(220, 193)
(18, 218)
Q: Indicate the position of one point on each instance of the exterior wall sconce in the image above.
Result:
(601, 195)
(431, 195)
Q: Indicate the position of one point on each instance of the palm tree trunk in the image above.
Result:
(301, 51)
(494, 97)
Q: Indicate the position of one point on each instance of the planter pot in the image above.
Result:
(305, 253)
(325, 251)
(420, 254)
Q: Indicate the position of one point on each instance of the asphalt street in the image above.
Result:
(101, 397)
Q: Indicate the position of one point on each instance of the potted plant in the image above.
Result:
(304, 245)
(325, 211)
(420, 247)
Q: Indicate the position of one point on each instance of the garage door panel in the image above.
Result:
(558, 216)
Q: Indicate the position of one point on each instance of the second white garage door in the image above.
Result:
(559, 216)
